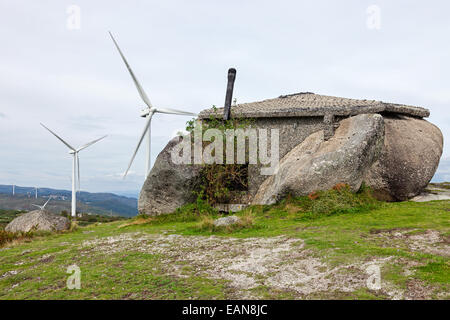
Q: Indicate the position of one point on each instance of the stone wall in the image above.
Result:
(292, 131)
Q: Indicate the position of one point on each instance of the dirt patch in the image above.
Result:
(431, 242)
(277, 263)
(46, 258)
(446, 239)
(9, 273)
(128, 296)
(390, 231)
(428, 241)
(416, 290)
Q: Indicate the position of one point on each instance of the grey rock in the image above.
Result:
(226, 221)
(425, 196)
(168, 185)
(410, 156)
(316, 164)
(38, 220)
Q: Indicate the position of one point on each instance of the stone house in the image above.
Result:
(389, 146)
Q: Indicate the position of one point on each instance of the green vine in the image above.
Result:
(222, 183)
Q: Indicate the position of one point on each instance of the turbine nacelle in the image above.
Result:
(146, 111)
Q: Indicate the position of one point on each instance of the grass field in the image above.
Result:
(323, 247)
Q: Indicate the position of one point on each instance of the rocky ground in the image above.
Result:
(435, 191)
(276, 263)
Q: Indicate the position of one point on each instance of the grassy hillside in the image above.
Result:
(98, 203)
(322, 246)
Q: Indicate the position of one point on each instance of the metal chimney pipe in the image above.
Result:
(229, 95)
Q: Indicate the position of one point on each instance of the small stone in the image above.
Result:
(226, 221)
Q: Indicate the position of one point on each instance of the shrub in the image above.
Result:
(189, 212)
(339, 199)
(206, 224)
(313, 195)
(6, 237)
(222, 183)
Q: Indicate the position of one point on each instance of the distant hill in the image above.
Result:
(99, 203)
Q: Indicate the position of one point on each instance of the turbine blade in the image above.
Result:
(36, 205)
(147, 125)
(174, 111)
(136, 82)
(68, 145)
(90, 143)
(46, 202)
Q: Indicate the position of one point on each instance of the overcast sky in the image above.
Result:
(72, 79)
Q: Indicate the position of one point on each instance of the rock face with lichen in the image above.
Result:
(411, 152)
(317, 164)
(168, 185)
(38, 220)
(323, 141)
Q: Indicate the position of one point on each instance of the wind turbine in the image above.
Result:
(148, 113)
(76, 166)
(43, 206)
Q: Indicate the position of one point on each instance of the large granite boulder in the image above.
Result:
(411, 152)
(38, 220)
(169, 185)
(317, 164)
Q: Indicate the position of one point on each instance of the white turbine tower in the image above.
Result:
(43, 206)
(76, 166)
(146, 113)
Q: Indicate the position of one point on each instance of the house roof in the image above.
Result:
(307, 104)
